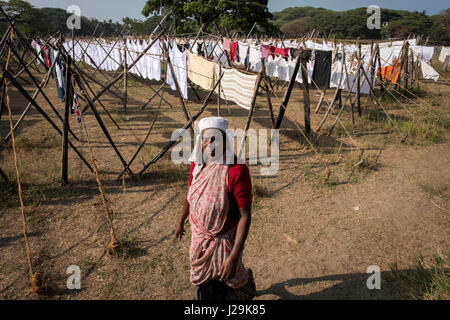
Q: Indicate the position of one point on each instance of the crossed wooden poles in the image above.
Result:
(75, 75)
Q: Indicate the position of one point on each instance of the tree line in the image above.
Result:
(228, 17)
(352, 24)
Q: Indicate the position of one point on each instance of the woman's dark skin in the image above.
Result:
(229, 267)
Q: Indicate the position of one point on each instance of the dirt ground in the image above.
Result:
(308, 239)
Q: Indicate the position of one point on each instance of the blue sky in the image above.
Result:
(117, 9)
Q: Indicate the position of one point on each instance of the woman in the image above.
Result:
(218, 205)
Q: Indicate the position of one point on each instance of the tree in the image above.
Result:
(234, 15)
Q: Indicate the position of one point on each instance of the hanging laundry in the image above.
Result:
(254, 58)
(179, 64)
(277, 67)
(337, 71)
(311, 56)
(227, 44)
(265, 51)
(425, 53)
(152, 60)
(238, 87)
(200, 49)
(283, 52)
(428, 72)
(76, 108)
(391, 72)
(322, 69)
(60, 67)
(209, 50)
(201, 71)
(47, 56)
(233, 51)
(445, 51)
(219, 55)
(243, 52)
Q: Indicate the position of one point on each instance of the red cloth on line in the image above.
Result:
(284, 52)
(47, 58)
(233, 50)
(239, 192)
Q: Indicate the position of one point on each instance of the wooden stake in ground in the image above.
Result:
(305, 87)
(125, 78)
(250, 113)
(65, 144)
(288, 92)
(43, 113)
(266, 86)
(358, 89)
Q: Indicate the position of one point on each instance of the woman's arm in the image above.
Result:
(179, 233)
(229, 266)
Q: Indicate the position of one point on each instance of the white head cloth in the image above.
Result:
(213, 123)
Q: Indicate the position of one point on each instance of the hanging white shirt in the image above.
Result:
(179, 64)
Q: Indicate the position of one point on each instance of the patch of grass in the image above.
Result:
(361, 162)
(430, 280)
(428, 131)
(442, 191)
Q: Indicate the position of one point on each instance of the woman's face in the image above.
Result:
(213, 144)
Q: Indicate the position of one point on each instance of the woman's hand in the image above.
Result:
(179, 233)
(228, 268)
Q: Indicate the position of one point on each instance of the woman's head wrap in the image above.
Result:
(213, 123)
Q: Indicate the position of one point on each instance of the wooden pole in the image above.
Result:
(406, 64)
(305, 89)
(36, 93)
(177, 86)
(125, 78)
(288, 92)
(43, 113)
(185, 127)
(269, 100)
(218, 94)
(111, 83)
(65, 138)
(379, 68)
(39, 88)
(358, 89)
(102, 124)
(250, 113)
(4, 176)
(2, 98)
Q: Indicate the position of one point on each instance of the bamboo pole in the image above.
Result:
(125, 79)
(358, 89)
(181, 132)
(43, 113)
(36, 93)
(269, 100)
(250, 113)
(288, 92)
(101, 123)
(65, 137)
(40, 89)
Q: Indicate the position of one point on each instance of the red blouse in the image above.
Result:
(239, 192)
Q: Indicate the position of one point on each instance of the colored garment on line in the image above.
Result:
(238, 87)
(201, 71)
(322, 69)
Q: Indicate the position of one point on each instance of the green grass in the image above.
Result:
(430, 280)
